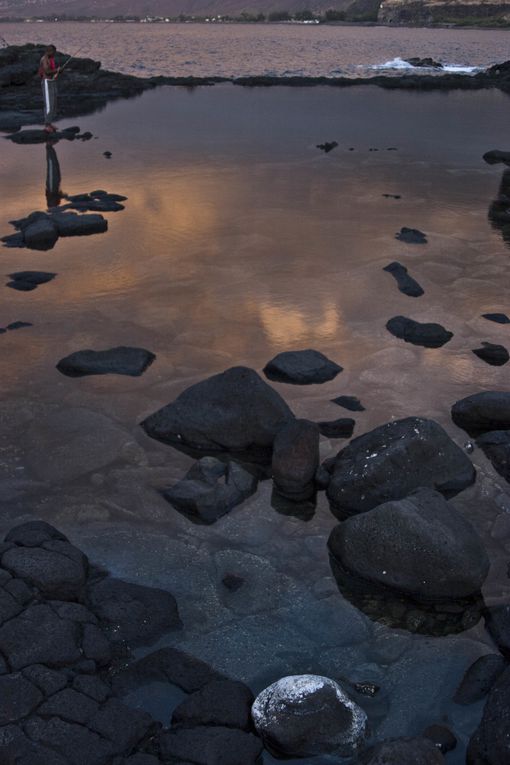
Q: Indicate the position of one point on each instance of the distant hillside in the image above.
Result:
(476, 12)
(174, 8)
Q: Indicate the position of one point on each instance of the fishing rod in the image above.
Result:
(61, 68)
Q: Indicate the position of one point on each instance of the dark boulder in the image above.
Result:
(210, 745)
(403, 751)
(427, 62)
(411, 236)
(351, 403)
(428, 335)
(41, 235)
(442, 737)
(301, 368)
(327, 146)
(479, 678)
(122, 360)
(406, 283)
(499, 318)
(341, 428)
(132, 613)
(296, 459)
(420, 546)
(308, 715)
(490, 744)
(496, 447)
(211, 489)
(495, 156)
(18, 325)
(393, 460)
(497, 621)
(495, 355)
(26, 281)
(221, 702)
(18, 697)
(235, 411)
(34, 534)
(483, 412)
(72, 224)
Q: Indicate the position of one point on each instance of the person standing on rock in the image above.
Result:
(48, 71)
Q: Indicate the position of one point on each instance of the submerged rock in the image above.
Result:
(495, 355)
(327, 146)
(210, 745)
(490, 744)
(400, 751)
(235, 411)
(296, 459)
(72, 224)
(420, 546)
(479, 678)
(121, 361)
(308, 715)
(301, 368)
(351, 403)
(26, 281)
(442, 737)
(499, 318)
(495, 156)
(411, 236)
(424, 62)
(483, 412)
(496, 447)
(406, 283)
(211, 489)
(393, 460)
(428, 335)
(220, 702)
(497, 621)
(341, 428)
(41, 234)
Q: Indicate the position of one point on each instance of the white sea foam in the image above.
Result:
(401, 65)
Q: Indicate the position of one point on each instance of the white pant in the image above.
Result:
(49, 88)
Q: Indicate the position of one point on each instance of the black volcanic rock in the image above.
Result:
(406, 283)
(206, 744)
(483, 412)
(341, 428)
(72, 224)
(301, 368)
(420, 546)
(351, 403)
(490, 744)
(497, 621)
(495, 156)
(479, 678)
(424, 62)
(411, 236)
(496, 447)
(296, 459)
(499, 318)
(41, 235)
(220, 702)
(495, 355)
(428, 335)
(235, 411)
(211, 489)
(392, 461)
(404, 751)
(121, 361)
(26, 281)
(327, 146)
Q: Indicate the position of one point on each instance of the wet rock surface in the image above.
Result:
(307, 715)
(490, 745)
(428, 335)
(296, 459)
(351, 403)
(419, 545)
(120, 361)
(406, 283)
(235, 411)
(495, 355)
(411, 236)
(341, 428)
(301, 368)
(411, 751)
(479, 678)
(496, 447)
(483, 412)
(392, 461)
(26, 281)
(211, 489)
(424, 62)
(40, 230)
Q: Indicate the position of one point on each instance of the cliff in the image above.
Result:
(427, 12)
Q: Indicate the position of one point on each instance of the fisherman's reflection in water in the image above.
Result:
(54, 193)
(499, 209)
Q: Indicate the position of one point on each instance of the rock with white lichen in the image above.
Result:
(308, 715)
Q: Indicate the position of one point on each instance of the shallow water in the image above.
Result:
(233, 50)
(241, 239)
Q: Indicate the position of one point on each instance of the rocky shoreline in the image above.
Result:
(86, 87)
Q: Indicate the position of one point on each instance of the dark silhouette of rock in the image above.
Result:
(296, 459)
(327, 146)
(496, 447)
(442, 737)
(499, 208)
(411, 236)
(221, 702)
(18, 697)
(38, 135)
(121, 361)
(392, 461)
(341, 428)
(25, 281)
(207, 744)
(499, 318)
(427, 62)
(427, 335)
(495, 156)
(41, 235)
(420, 546)
(132, 613)
(392, 196)
(411, 751)
(483, 412)
(235, 411)
(497, 621)
(351, 403)
(495, 355)
(406, 283)
(301, 368)
(308, 715)
(490, 744)
(18, 325)
(211, 489)
(479, 678)
(72, 224)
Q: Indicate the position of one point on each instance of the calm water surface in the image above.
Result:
(279, 49)
(239, 240)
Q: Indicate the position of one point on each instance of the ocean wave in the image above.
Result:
(401, 65)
